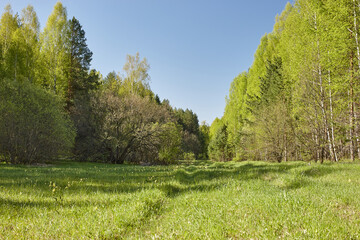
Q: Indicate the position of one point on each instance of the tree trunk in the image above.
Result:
(317, 147)
(356, 34)
(285, 148)
(357, 133)
(351, 105)
(356, 27)
(54, 72)
(15, 65)
(322, 93)
(332, 120)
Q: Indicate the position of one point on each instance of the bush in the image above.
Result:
(219, 148)
(170, 143)
(132, 128)
(33, 124)
(189, 156)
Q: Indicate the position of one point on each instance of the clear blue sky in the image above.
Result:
(195, 47)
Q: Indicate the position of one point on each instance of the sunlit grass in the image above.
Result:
(203, 200)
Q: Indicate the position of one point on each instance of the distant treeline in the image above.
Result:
(52, 105)
(300, 98)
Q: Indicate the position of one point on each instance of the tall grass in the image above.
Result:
(201, 200)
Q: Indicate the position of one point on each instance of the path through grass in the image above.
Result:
(203, 200)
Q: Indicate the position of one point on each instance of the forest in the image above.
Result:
(300, 98)
(54, 106)
(297, 102)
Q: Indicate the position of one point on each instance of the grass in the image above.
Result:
(201, 200)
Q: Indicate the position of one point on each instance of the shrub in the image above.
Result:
(33, 124)
(189, 156)
(170, 143)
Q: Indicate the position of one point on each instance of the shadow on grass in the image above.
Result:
(318, 171)
(171, 180)
(173, 190)
(246, 171)
(295, 184)
(49, 203)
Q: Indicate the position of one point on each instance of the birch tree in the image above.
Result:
(54, 42)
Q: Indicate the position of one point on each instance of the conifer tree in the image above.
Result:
(79, 62)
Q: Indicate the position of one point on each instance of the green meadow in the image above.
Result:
(192, 200)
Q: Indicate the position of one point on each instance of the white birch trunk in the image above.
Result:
(322, 93)
(358, 58)
(332, 120)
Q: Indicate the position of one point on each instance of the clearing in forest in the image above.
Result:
(198, 200)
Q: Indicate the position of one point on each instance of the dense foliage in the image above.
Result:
(299, 100)
(51, 91)
(33, 125)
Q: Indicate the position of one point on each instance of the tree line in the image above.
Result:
(52, 105)
(300, 98)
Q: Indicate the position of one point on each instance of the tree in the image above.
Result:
(79, 63)
(170, 143)
(54, 42)
(218, 146)
(236, 114)
(137, 78)
(190, 131)
(204, 138)
(132, 127)
(9, 24)
(81, 85)
(85, 120)
(30, 31)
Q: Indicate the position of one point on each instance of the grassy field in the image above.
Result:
(203, 200)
